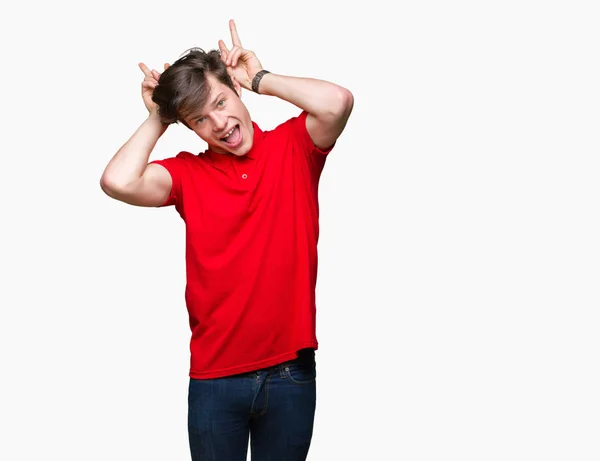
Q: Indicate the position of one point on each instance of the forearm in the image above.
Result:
(130, 161)
(317, 97)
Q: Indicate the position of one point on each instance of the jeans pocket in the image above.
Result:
(301, 372)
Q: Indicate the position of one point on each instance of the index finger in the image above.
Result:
(235, 38)
(145, 69)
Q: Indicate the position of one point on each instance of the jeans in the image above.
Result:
(275, 406)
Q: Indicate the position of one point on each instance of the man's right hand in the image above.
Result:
(151, 78)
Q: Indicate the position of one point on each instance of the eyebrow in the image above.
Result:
(214, 101)
(217, 98)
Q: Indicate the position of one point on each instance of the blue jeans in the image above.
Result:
(275, 406)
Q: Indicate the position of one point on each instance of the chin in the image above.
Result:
(243, 150)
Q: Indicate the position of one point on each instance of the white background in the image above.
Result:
(458, 288)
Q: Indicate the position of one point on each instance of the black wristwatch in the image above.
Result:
(257, 78)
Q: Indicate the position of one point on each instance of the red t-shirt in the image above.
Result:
(252, 226)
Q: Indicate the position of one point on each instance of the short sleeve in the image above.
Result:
(176, 168)
(301, 143)
(298, 126)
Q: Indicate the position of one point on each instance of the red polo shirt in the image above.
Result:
(252, 226)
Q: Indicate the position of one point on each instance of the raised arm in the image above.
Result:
(128, 177)
(328, 105)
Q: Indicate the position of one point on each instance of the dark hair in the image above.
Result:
(183, 88)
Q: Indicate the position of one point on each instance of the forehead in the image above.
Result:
(214, 83)
(215, 87)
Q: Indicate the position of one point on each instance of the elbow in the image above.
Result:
(109, 186)
(106, 186)
(347, 102)
(106, 182)
(347, 98)
(342, 104)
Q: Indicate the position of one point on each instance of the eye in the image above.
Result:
(201, 119)
(221, 103)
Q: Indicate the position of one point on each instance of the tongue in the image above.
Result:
(235, 136)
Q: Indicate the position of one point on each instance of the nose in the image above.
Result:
(219, 122)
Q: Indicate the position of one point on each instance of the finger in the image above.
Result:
(230, 55)
(155, 74)
(234, 55)
(149, 84)
(235, 38)
(223, 49)
(145, 69)
(167, 65)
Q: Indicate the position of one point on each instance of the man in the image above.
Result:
(250, 206)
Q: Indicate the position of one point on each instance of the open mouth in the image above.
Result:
(234, 136)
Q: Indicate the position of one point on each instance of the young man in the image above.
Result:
(250, 206)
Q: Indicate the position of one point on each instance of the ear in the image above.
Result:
(237, 86)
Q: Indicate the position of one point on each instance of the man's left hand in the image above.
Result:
(242, 64)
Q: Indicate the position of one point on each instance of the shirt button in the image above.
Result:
(244, 176)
